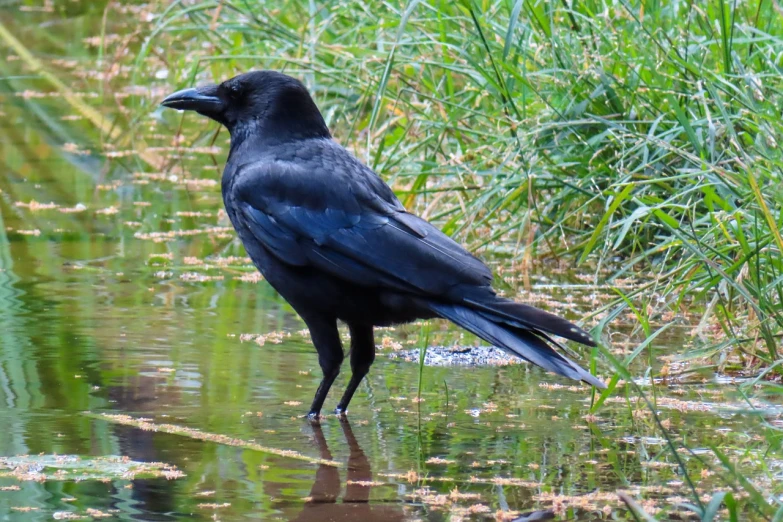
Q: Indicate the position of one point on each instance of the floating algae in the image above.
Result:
(42, 468)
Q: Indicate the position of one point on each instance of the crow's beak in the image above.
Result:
(200, 99)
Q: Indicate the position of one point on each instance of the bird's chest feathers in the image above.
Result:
(259, 255)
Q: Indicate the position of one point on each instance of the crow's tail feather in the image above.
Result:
(516, 335)
(527, 317)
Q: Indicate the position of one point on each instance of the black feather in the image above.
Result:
(531, 317)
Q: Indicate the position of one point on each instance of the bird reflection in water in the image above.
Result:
(324, 505)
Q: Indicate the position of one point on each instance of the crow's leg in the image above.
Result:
(326, 339)
(362, 357)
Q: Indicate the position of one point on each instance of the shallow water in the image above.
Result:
(123, 291)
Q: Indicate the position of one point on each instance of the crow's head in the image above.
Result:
(265, 102)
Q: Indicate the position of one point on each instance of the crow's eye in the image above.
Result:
(232, 91)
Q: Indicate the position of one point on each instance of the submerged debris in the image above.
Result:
(158, 237)
(34, 205)
(146, 425)
(273, 337)
(195, 277)
(458, 356)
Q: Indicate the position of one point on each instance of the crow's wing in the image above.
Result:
(348, 223)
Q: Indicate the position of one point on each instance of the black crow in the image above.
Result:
(331, 237)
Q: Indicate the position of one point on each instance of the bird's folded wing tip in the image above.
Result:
(595, 381)
(592, 380)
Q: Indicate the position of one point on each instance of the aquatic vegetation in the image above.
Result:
(638, 138)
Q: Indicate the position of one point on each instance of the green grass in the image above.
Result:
(641, 138)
